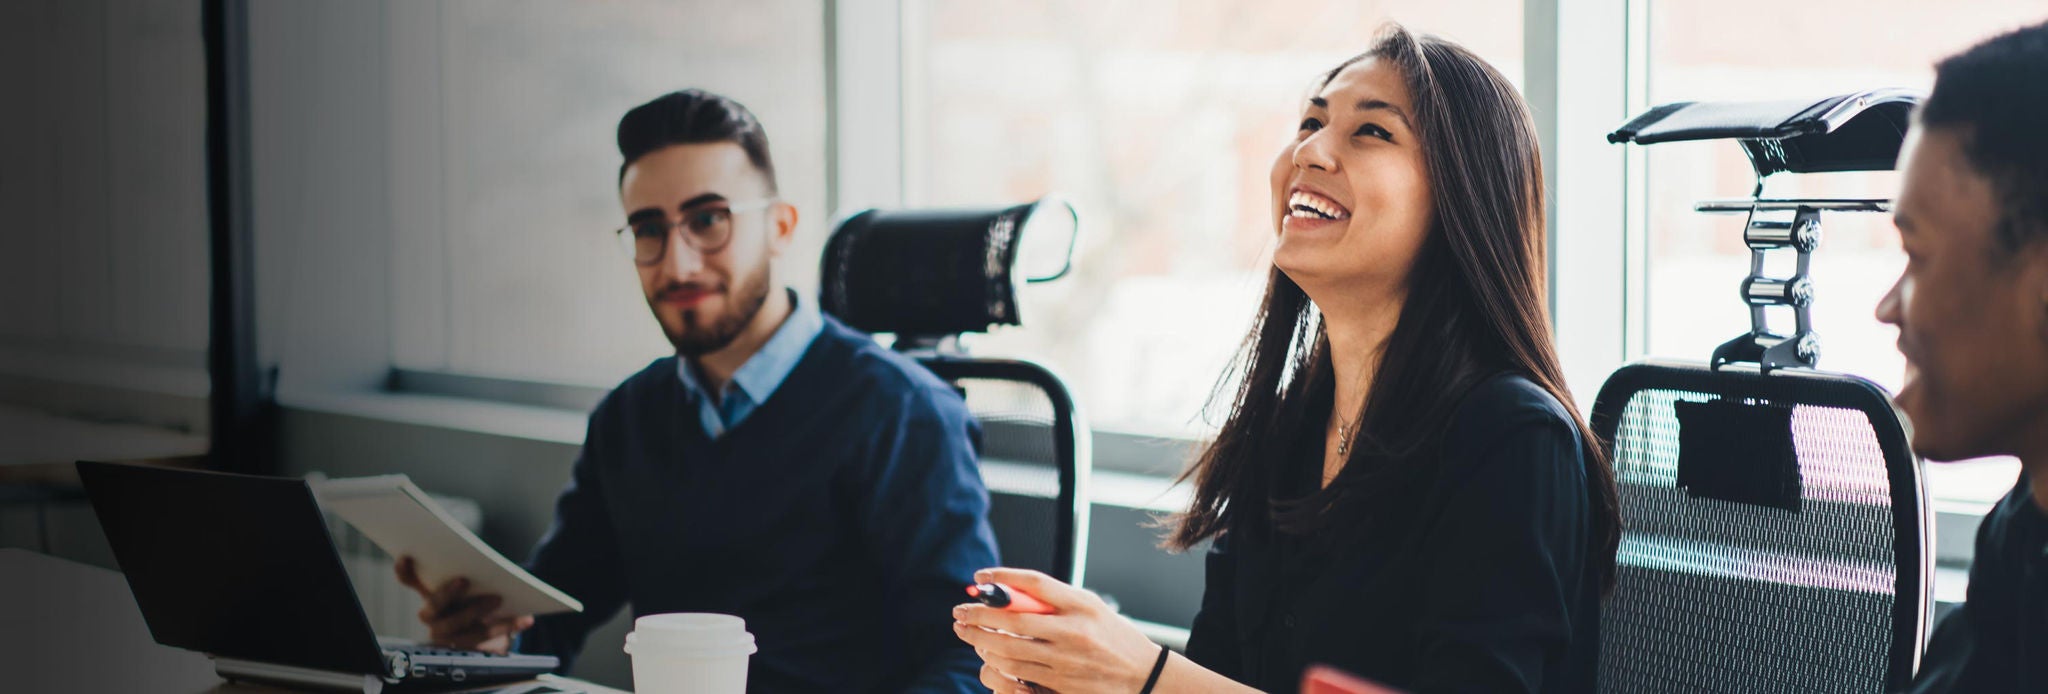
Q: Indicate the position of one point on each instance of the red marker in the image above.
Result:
(1003, 597)
(1323, 679)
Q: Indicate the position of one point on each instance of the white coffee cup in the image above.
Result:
(690, 653)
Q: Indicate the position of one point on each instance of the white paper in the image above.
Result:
(404, 521)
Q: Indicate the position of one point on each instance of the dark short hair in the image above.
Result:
(1996, 95)
(693, 116)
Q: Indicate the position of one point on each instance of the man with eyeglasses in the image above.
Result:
(781, 467)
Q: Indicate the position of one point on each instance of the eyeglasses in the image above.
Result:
(706, 230)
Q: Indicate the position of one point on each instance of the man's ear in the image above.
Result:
(785, 217)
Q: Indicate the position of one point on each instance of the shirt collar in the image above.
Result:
(771, 364)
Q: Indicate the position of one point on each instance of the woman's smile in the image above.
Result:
(1308, 210)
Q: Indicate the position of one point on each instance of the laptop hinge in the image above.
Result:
(235, 669)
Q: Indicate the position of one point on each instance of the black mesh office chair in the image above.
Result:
(1774, 520)
(927, 276)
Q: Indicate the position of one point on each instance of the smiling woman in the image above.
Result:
(1352, 194)
(1161, 133)
(1397, 403)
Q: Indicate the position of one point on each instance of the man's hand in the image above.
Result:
(456, 619)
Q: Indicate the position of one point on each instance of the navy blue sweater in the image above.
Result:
(841, 519)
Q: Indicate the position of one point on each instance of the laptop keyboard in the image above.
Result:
(434, 650)
(433, 663)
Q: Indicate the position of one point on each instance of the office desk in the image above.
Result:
(37, 449)
(29, 437)
(68, 627)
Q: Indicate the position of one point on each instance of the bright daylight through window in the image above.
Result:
(1718, 51)
(1160, 120)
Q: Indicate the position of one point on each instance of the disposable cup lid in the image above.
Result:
(689, 622)
(690, 635)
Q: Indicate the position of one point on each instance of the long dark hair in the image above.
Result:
(1476, 306)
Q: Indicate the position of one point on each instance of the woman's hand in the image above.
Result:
(1083, 647)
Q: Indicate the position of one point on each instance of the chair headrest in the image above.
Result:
(936, 273)
(1849, 132)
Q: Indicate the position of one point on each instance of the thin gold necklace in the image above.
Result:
(1345, 429)
(1344, 433)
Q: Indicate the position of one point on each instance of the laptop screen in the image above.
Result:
(233, 565)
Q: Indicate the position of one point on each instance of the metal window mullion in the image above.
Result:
(1576, 57)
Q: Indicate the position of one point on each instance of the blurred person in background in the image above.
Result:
(1972, 313)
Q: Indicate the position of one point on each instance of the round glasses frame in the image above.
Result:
(706, 229)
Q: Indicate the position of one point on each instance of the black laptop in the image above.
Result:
(242, 568)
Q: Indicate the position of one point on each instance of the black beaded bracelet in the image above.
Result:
(1157, 667)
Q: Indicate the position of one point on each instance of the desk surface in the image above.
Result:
(29, 437)
(75, 628)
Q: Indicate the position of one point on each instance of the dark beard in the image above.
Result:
(750, 293)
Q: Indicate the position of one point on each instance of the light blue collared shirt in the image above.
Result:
(760, 375)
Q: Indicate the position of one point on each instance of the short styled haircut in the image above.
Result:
(693, 116)
(1996, 96)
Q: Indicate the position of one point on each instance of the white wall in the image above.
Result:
(103, 223)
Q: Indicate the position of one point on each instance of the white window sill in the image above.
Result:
(553, 425)
(528, 422)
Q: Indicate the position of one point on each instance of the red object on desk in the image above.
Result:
(1323, 679)
(1003, 597)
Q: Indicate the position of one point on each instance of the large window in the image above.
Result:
(504, 168)
(1160, 120)
(478, 136)
(1764, 49)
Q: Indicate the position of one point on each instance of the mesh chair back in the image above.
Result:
(1034, 447)
(927, 276)
(1724, 596)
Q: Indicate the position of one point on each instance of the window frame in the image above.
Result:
(1594, 50)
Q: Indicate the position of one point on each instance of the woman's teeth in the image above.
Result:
(1312, 206)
